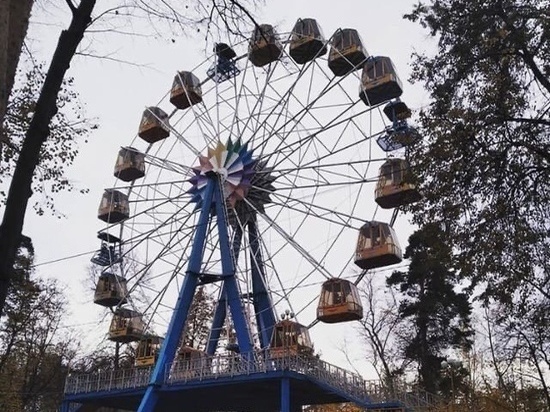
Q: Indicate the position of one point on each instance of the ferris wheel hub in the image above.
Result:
(242, 177)
(222, 172)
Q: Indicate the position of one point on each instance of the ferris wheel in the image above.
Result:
(256, 178)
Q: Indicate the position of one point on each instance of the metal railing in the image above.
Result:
(229, 365)
(407, 394)
(261, 362)
(208, 367)
(107, 380)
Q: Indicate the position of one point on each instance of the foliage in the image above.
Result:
(215, 17)
(485, 162)
(33, 355)
(437, 317)
(104, 358)
(485, 165)
(68, 128)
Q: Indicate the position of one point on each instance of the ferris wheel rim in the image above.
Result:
(284, 200)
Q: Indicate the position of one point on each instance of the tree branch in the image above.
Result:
(527, 120)
(71, 6)
(530, 61)
(245, 11)
(37, 134)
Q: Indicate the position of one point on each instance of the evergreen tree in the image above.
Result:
(485, 160)
(199, 319)
(437, 317)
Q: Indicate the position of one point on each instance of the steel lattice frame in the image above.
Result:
(310, 133)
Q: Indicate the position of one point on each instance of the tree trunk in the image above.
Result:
(14, 20)
(46, 108)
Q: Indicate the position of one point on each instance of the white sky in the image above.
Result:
(116, 94)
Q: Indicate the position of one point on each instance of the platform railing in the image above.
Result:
(232, 364)
(410, 395)
(107, 380)
(220, 366)
(261, 362)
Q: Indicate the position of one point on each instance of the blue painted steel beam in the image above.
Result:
(285, 395)
(265, 313)
(179, 316)
(230, 281)
(65, 406)
(217, 322)
(220, 311)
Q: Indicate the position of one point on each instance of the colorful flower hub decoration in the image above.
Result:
(233, 163)
(241, 175)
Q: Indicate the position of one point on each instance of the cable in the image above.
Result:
(64, 258)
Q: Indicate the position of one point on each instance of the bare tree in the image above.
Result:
(516, 371)
(33, 355)
(379, 327)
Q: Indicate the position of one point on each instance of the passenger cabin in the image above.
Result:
(111, 290)
(108, 254)
(114, 206)
(346, 52)
(224, 51)
(339, 302)
(398, 136)
(264, 46)
(186, 90)
(126, 326)
(154, 125)
(224, 68)
(307, 41)
(130, 164)
(108, 237)
(290, 338)
(148, 350)
(393, 189)
(397, 110)
(379, 81)
(377, 246)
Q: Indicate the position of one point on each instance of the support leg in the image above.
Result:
(230, 283)
(179, 316)
(285, 395)
(65, 406)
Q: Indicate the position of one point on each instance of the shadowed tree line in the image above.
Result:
(483, 168)
(35, 348)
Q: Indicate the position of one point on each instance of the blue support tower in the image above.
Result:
(213, 203)
(249, 377)
(261, 299)
(185, 298)
(211, 223)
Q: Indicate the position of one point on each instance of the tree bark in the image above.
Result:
(14, 20)
(46, 108)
